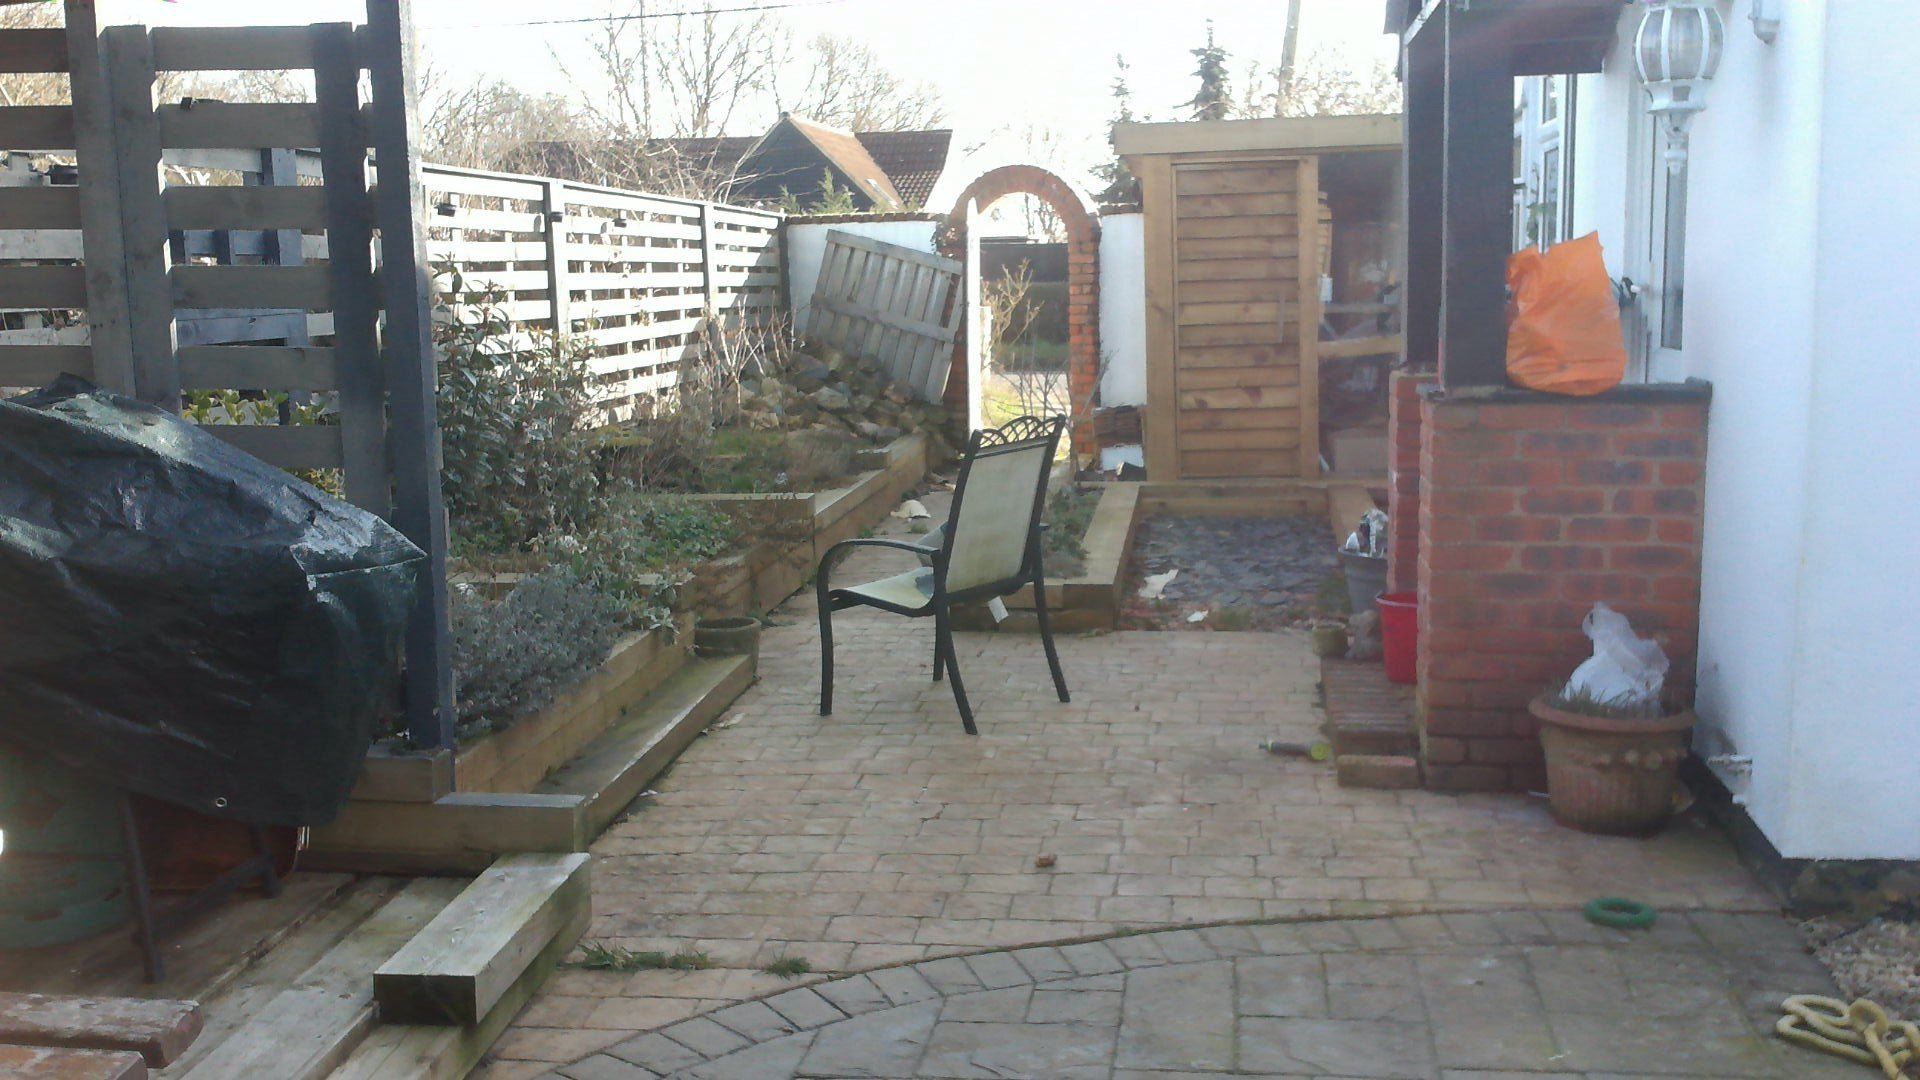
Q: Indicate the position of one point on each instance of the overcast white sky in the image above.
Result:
(999, 64)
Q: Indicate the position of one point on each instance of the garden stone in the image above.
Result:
(832, 399)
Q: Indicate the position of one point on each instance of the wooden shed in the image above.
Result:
(1262, 238)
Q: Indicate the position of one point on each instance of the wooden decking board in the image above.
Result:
(158, 1030)
(457, 967)
(54, 1063)
(203, 959)
(229, 1010)
(304, 1031)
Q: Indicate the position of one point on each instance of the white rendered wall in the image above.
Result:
(1856, 670)
(807, 245)
(1123, 309)
(1800, 312)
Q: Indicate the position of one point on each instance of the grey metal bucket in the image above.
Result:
(1366, 578)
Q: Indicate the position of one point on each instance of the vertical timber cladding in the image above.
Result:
(1246, 317)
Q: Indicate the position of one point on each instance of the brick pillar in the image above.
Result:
(1403, 478)
(1083, 335)
(1533, 508)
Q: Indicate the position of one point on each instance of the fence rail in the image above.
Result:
(636, 276)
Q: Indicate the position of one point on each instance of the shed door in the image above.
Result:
(1245, 331)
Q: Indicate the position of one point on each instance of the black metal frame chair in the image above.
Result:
(976, 558)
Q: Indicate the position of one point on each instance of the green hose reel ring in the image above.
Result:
(1618, 913)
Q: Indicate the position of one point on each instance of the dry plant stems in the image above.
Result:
(1583, 702)
(1036, 392)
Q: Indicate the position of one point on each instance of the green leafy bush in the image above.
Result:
(514, 654)
(516, 417)
(640, 549)
(1069, 513)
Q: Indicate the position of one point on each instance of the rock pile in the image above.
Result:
(826, 389)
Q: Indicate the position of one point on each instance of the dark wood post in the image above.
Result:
(1478, 222)
(1423, 158)
(419, 509)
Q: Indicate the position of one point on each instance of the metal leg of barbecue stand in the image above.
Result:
(144, 934)
(269, 881)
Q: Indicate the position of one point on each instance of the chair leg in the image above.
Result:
(1046, 639)
(945, 634)
(826, 647)
(939, 653)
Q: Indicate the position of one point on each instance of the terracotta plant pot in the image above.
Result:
(1612, 775)
(727, 635)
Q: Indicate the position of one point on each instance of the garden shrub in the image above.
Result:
(516, 419)
(1069, 514)
(641, 549)
(514, 654)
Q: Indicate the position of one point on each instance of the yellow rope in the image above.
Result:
(1859, 1032)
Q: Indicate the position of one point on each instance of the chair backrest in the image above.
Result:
(997, 501)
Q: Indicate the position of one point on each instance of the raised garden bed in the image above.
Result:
(1090, 599)
(501, 791)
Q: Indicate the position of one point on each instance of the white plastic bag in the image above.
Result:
(1626, 670)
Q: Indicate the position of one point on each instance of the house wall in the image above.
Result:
(807, 246)
(1123, 309)
(1802, 169)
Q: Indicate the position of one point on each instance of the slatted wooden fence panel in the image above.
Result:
(890, 304)
(636, 277)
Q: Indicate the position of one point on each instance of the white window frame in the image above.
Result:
(1542, 137)
(1653, 355)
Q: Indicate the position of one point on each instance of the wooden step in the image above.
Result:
(458, 833)
(443, 1052)
(307, 1029)
(613, 769)
(1382, 771)
(159, 1031)
(1366, 714)
(55, 1063)
(457, 968)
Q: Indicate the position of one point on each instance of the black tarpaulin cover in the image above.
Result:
(179, 618)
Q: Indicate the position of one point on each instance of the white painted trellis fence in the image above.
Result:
(890, 304)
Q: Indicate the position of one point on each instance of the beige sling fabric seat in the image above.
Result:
(990, 547)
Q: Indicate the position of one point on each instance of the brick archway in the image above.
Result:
(1076, 212)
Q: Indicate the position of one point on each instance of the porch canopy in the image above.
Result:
(1458, 60)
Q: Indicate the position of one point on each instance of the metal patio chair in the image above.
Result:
(989, 547)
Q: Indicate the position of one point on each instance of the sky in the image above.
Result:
(1002, 67)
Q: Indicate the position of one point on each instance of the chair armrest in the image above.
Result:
(826, 561)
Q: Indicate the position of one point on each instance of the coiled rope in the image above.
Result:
(1861, 1032)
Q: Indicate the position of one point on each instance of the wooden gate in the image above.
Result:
(890, 304)
(1239, 274)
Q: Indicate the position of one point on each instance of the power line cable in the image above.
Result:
(636, 16)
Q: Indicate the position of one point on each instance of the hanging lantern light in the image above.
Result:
(1677, 51)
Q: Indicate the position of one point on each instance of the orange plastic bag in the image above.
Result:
(1563, 324)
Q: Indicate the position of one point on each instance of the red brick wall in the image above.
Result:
(1403, 478)
(1532, 509)
(1083, 282)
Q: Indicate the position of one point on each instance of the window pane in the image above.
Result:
(1550, 197)
(1549, 98)
(1673, 258)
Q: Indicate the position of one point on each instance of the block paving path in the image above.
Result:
(883, 836)
(1507, 995)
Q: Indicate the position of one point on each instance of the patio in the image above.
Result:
(882, 836)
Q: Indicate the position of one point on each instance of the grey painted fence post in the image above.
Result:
(126, 54)
(419, 508)
(356, 303)
(558, 287)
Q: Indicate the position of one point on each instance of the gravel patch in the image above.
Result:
(1879, 959)
(1247, 573)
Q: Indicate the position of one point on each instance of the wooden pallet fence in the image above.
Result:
(890, 304)
(164, 273)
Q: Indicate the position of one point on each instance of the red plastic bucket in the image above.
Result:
(1399, 633)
